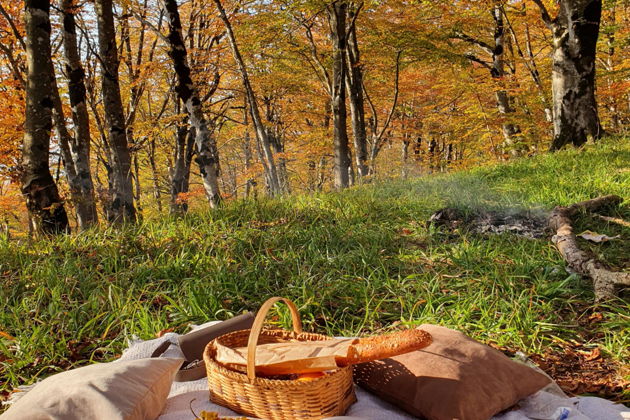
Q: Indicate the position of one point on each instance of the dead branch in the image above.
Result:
(582, 262)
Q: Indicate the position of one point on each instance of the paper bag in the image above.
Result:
(291, 357)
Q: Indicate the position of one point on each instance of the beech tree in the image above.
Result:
(77, 151)
(274, 184)
(575, 31)
(45, 206)
(337, 15)
(496, 53)
(120, 207)
(207, 154)
(354, 84)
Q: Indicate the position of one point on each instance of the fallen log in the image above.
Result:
(583, 262)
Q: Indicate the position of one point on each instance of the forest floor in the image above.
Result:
(357, 262)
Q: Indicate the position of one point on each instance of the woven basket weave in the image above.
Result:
(327, 396)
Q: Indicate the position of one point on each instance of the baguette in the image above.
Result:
(384, 346)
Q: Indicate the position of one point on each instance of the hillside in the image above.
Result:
(355, 262)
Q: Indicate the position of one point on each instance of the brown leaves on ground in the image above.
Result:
(579, 369)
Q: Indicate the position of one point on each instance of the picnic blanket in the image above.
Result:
(548, 404)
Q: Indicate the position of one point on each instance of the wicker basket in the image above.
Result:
(327, 396)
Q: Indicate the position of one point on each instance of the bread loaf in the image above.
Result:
(384, 346)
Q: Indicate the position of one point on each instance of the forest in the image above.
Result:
(114, 111)
(422, 168)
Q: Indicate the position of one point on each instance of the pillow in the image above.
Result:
(129, 390)
(453, 378)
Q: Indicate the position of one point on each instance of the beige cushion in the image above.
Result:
(453, 378)
(129, 390)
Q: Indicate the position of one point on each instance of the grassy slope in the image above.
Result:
(355, 262)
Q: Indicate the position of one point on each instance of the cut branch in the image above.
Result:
(582, 262)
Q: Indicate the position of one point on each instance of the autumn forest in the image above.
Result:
(112, 111)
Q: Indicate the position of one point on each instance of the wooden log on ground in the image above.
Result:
(582, 262)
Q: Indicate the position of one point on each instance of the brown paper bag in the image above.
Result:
(291, 357)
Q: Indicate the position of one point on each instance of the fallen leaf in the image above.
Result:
(596, 237)
(7, 336)
(164, 331)
(593, 355)
(596, 317)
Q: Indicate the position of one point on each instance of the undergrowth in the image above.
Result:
(356, 262)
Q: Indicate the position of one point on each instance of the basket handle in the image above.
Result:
(257, 328)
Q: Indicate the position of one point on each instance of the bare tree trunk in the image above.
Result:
(269, 165)
(207, 153)
(157, 194)
(610, 68)
(377, 135)
(573, 78)
(180, 177)
(575, 31)
(83, 187)
(354, 84)
(122, 208)
(510, 130)
(45, 207)
(247, 152)
(275, 133)
(337, 12)
(533, 71)
(405, 156)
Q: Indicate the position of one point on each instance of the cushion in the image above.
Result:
(129, 390)
(453, 378)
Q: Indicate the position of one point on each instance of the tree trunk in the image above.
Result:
(122, 208)
(45, 207)
(155, 176)
(575, 33)
(405, 156)
(510, 131)
(269, 165)
(180, 178)
(207, 153)
(354, 84)
(276, 139)
(337, 12)
(82, 188)
(247, 152)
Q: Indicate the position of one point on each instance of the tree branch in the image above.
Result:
(472, 57)
(395, 100)
(14, 28)
(544, 14)
(469, 39)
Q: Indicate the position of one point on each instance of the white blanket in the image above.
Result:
(547, 404)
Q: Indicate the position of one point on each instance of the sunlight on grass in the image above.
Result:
(340, 256)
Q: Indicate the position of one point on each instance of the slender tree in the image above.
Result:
(180, 173)
(337, 14)
(496, 54)
(262, 134)
(575, 30)
(45, 206)
(121, 207)
(354, 85)
(78, 145)
(207, 153)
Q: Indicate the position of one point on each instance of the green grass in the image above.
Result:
(355, 262)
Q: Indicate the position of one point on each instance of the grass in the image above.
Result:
(356, 262)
